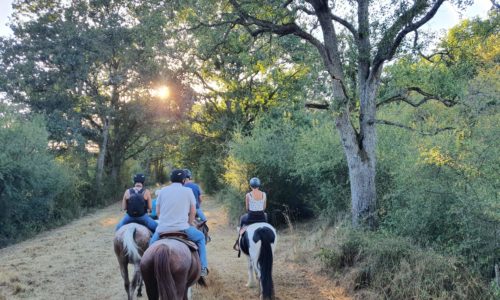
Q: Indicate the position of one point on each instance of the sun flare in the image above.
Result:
(161, 92)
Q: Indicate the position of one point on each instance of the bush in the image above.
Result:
(36, 191)
(269, 153)
(445, 192)
(378, 265)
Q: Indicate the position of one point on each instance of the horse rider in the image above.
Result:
(255, 204)
(197, 193)
(153, 210)
(137, 202)
(175, 208)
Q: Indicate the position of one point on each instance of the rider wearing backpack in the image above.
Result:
(137, 202)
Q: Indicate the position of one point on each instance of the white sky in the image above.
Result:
(445, 18)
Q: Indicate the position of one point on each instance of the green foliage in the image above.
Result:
(446, 185)
(36, 192)
(381, 266)
(284, 151)
(92, 63)
(267, 154)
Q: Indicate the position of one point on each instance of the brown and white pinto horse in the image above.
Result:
(130, 242)
(169, 268)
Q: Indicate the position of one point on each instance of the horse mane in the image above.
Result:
(168, 289)
(267, 237)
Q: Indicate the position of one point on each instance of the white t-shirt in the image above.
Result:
(174, 204)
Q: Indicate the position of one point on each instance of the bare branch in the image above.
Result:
(145, 145)
(435, 132)
(324, 106)
(393, 37)
(202, 25)
(205, 84)
(334, 17)
(429, 57)
(404, 96)
(306, 10)
(346, 24)
(328, 53)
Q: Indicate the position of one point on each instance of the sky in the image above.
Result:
(445, 18)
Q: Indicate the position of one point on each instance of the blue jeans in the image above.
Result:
(143, 220)
(200, 214)
(194, 235)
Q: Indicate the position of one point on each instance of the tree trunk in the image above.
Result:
(360, 153)
(363, 193)
(102, 155)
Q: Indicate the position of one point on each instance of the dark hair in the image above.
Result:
(177, 175)
(139, 178)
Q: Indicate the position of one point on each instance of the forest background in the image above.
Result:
(95, 91)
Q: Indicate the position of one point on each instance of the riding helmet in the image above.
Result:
(255, 182)
(189, 175)
(139, 178)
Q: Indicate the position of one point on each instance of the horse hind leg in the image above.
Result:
(126, 282)
(251, 279)
(139, 291)
(136, 281)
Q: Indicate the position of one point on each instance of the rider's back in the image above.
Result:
(175, 203)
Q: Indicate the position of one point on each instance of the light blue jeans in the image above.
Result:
(200, 214)
(194, 235)
(143, 220)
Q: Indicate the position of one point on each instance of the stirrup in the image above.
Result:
(236, 246)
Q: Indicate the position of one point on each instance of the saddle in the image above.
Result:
(181, 237)
(236, 245)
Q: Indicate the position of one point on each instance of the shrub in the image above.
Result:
(389, 267)
(36, 191)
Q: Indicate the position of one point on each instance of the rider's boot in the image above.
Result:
(236, 245)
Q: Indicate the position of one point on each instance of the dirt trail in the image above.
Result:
(77, 261)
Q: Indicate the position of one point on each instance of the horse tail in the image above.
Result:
(267, 237)
(130, 246)
(202, 282)
(165, 281)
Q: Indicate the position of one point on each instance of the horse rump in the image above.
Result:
(155, 269)
(265, 260)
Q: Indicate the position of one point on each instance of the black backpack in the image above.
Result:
(136, 205)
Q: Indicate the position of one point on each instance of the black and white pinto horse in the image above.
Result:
(258, 243)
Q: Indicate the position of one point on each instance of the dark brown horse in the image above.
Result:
(130, 242)
(169, 268)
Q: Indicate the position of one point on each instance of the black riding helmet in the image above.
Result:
(178, 175)
(139, 178)
(189, 175)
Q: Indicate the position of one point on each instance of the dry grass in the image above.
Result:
(77, 261)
